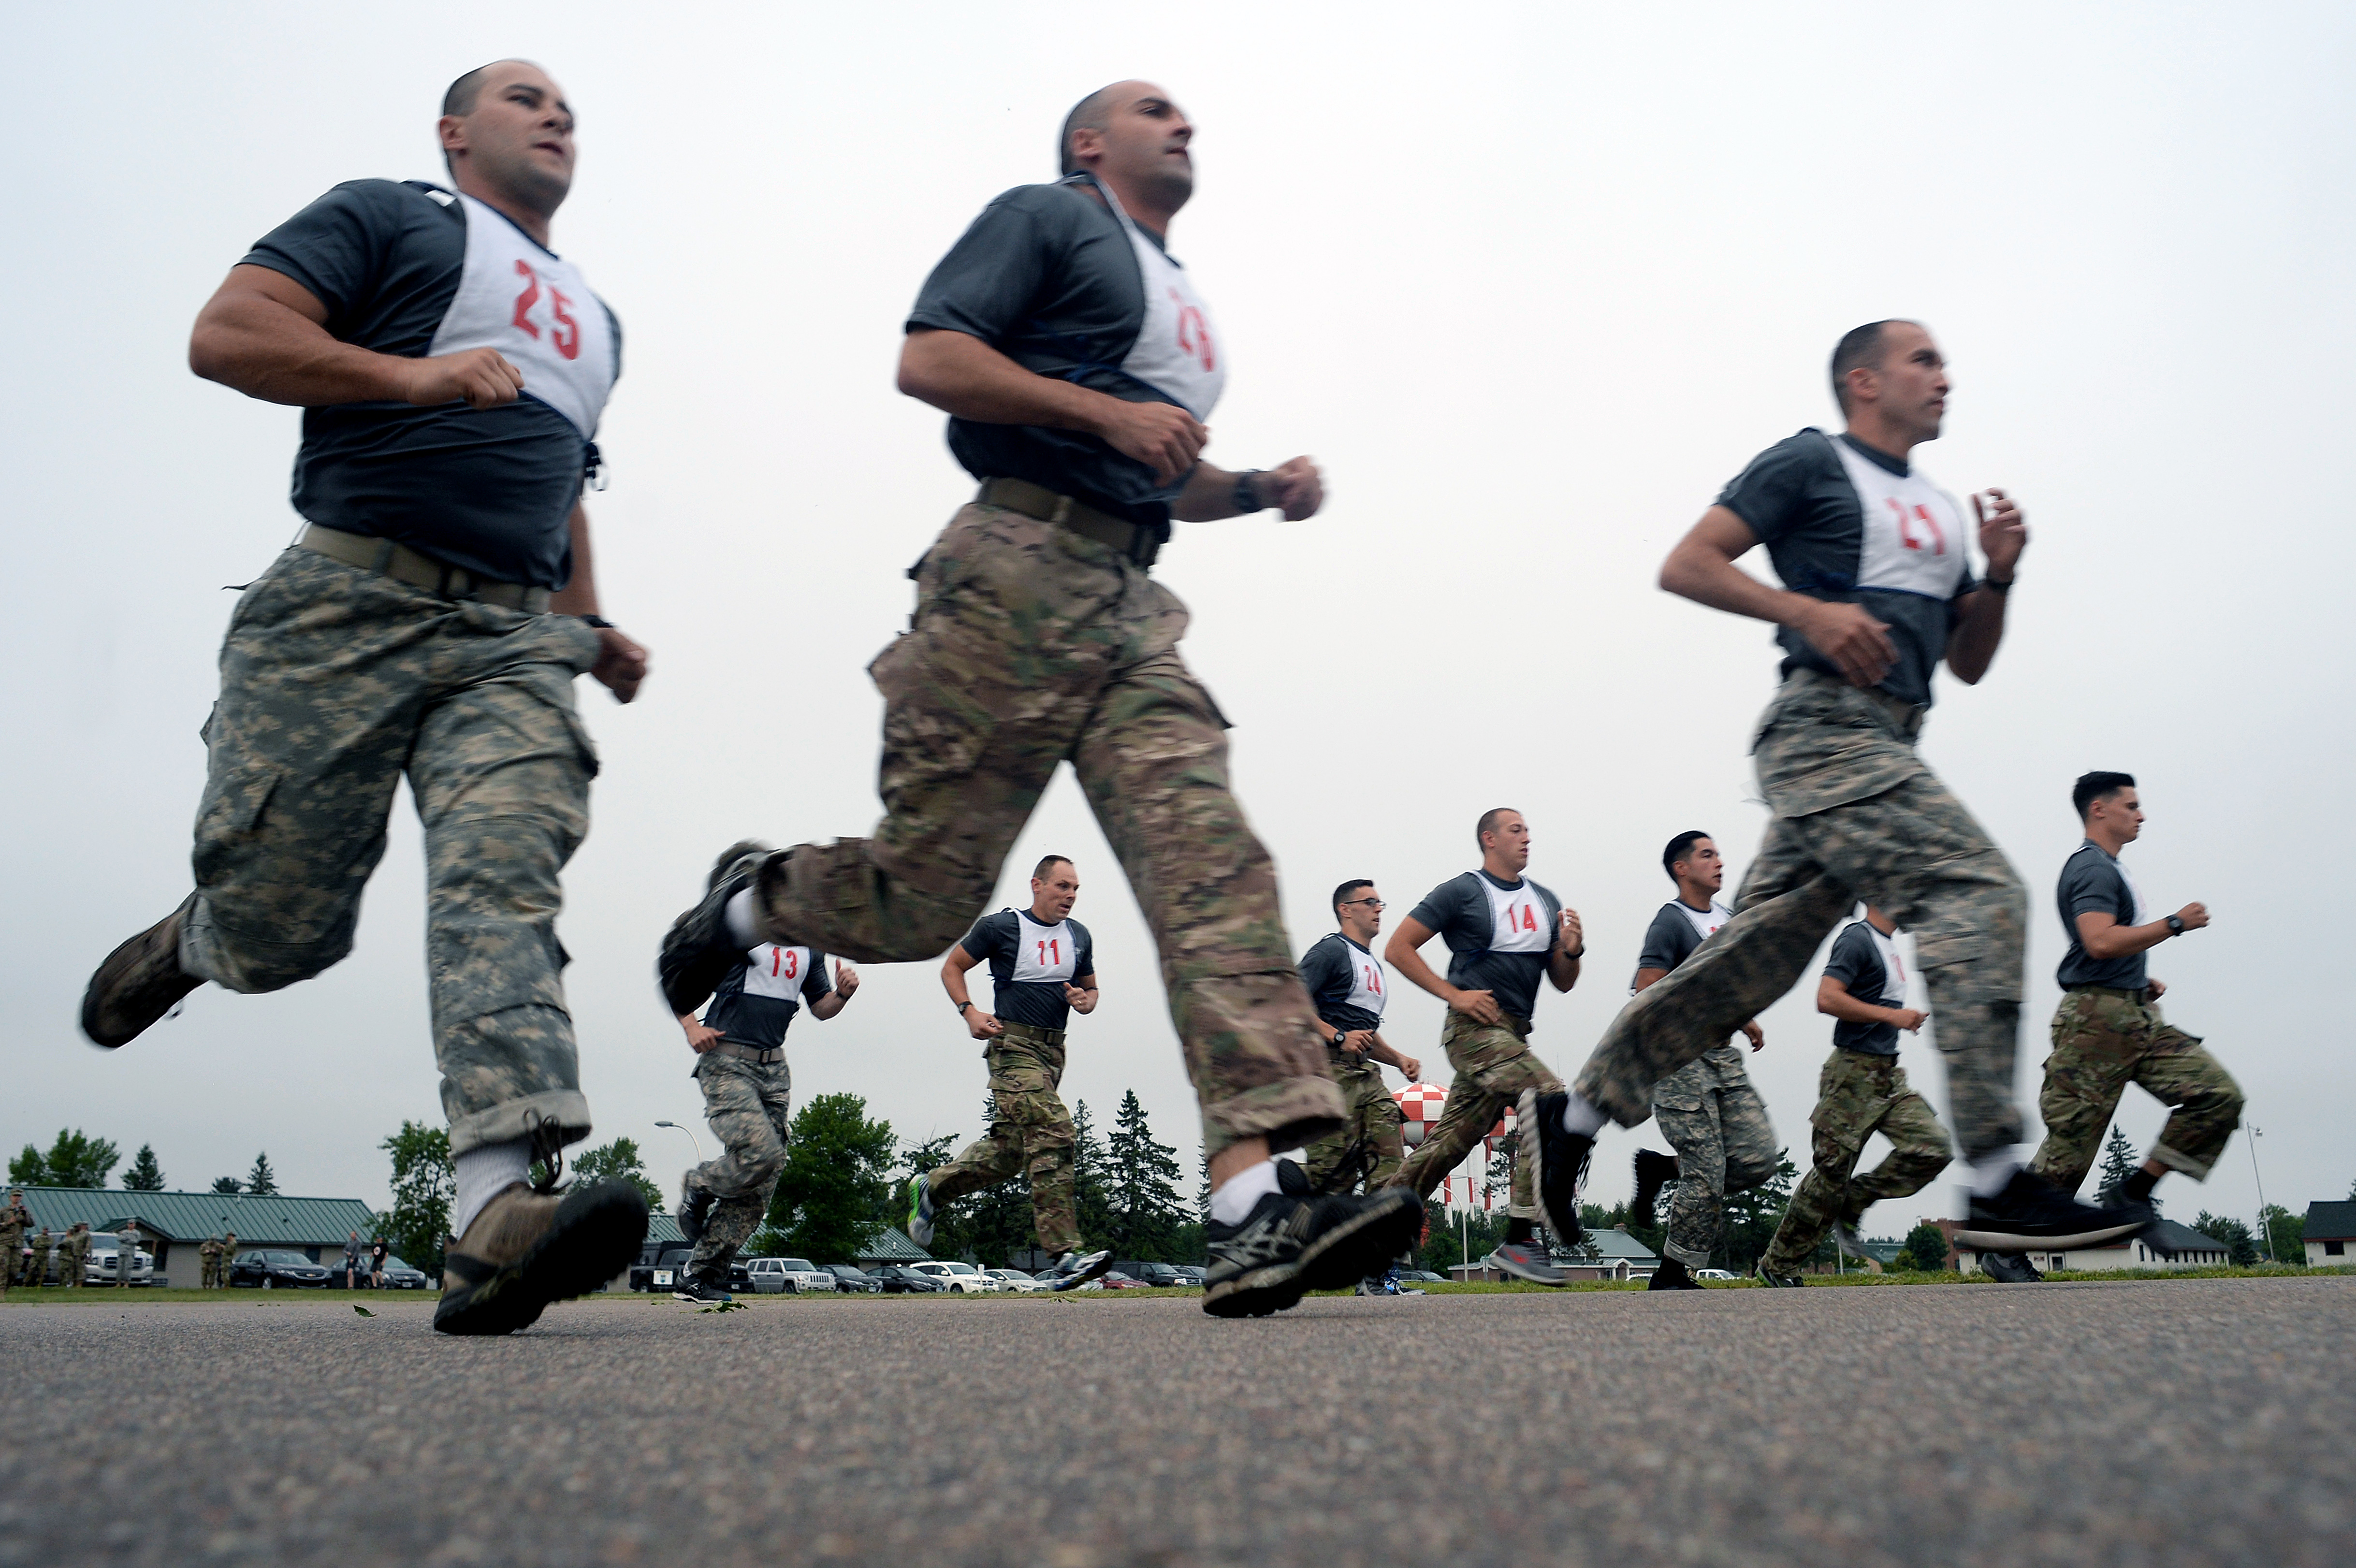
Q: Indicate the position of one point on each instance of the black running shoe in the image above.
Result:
(1779, 1281)
(694, 1208)
(699, 1289)
(1561, 1157)
(697, 952)
(2032, 1212)
(1672, 1275)
(1654, 1170)
(2010, 1268)
(1289, 1244)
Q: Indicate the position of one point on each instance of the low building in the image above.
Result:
(886, 1245)
(2331, 1235)
(2193, 1250)
(172, 1226)
(1605, 1254)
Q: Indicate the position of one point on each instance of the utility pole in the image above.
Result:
(2266, 1229)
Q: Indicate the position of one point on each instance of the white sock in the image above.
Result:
(1234, 1198)
(741, 927)
(484, 1173)
(1986, 1178)
(1581, 1119)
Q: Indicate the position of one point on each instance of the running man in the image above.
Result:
(1861, 1091)
(428, 621)
(1345, 985)
(1503, 931)
(1078, 362)
(748, 1097)
(1877, 592)
(1708, 1109)
(1043, 968)
(2108, 1032)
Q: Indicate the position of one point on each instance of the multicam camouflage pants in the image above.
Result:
(750, 1107)
(335, 682)
(1032, 1132)
(1494, 1064)
(1372, 1131)
(1857, 816)
(1033, 646)
(2105, 1039)
(1858, 1095)
(1717, 1122)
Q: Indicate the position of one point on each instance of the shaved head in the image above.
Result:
(1087, 113)
(465, 92)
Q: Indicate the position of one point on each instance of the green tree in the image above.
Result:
(984, 1227)
(619, 1158)
(2235, 1236)
(144, 1175)
(1925, 1249)
(232, 1185)
(836, 1181)
(2286, 1231)
(261, 1182)
(422, 1186)
(1141, 1185)
(2119, 1162)
(75, 1159)
(1088, 1195)
(1752, 1218)
(1448, 1243)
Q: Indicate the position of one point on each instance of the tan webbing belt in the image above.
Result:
(1138, 541)
(418, 570)
(752, 1054)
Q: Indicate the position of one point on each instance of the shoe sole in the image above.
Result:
(1339, 1255)
(2022, 1241)
(594, 1236)
(1528, 1273)
(1095, 1265)
(1525, 1118)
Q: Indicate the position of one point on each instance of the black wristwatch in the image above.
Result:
(1246, 496)
(2175, 926)
(1341, 1039)
(962, 1007)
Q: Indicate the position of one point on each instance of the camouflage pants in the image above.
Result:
(2104, 1040)
(1494, 1064)
(1858, 1095)
(36, 1267)
(335, 682)
(1032, 1132)
(1372, 1126)
(1717, 1122)
(1033, 646)
(749, 1107)
(1856, 816)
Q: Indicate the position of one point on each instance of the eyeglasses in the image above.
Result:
(1375, 904)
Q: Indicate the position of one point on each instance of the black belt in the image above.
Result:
(1140, 542)
(2143, 995)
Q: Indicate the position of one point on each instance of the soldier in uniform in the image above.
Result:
(74, 1256)
(2108, 1031)
(126, 1253)
(14, 1223)
(429, 619)
(1879, 591)
(1346, 986)
(1707, 1109)
(1043, 967)
(36, 1266)
(1503, 931)
(1861, 1091)
(1078, 363)
(749, 1093)
(209, 1260)
(228, 1257)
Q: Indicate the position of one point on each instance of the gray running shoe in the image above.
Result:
(1074, 1270)
(1847, 1238)
(1528, 1260)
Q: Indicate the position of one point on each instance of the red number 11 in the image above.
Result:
(1057, 943)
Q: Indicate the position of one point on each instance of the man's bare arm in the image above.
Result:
(1297, 488)
(959, 374)
(1833, 997)
(621, 662)
(1701, 568)
(264, 334)
(1979, 629)
(1401, 953)
(2103, 938)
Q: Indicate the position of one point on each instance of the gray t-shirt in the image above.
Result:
(1472, 913)
(1345, 982)
(2094, 883)
(1844, 523)
(1857, 963)
(1676, 932)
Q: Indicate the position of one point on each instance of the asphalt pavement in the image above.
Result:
(2176, 1422)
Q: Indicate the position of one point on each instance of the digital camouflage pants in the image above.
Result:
(1494, 1064)
(1031, 1132)
(335, 682)
(2103, 1042)
(1856, 817)
(1369, 1138)
(1858, 1095)
(1033, 646)
(750, 1108)
(1717, 1122)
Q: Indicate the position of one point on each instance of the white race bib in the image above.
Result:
(1176, 354)
(773, 971)
(1366, 979)
(1043, 954)
(1518, 917)
(1915, 531)
(537, 309)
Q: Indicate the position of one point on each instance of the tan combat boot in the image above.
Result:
(139, 983)
(527, 1249)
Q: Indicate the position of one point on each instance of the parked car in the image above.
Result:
(1421, 1276)
(1716, 1273)
(788, 1277)
(851, 1279)
(899, 1279)
(274, 1268)
(99, 1267)
(666, 1269)
(1114, 1279)
(960, 1279)
(1014, 1279)
(1161, 1276)
(398, 1276)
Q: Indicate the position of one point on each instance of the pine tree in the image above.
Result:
(2239, 1244)
(1752, 1218)
(2119, 1162)
(1088, 1196)
(144, 1175)
(261, 1182)
(1141, 1180)
(232, 1185)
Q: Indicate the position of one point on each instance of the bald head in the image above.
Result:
(1132, 137)
(1089, 113)
(506, 137)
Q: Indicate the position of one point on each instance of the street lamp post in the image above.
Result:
(2265, 1228)
(674, 1126)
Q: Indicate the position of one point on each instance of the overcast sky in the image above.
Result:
(1532, 283)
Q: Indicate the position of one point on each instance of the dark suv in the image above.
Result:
(670, 1258)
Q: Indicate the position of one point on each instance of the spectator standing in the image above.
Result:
(352, 1262)
(126, 1253)
(208, 1256)
(73, 1255)
(378, 1253)
(37, 1265)
(227, 1258)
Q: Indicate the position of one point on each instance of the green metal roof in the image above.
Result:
(192, 1216)
(663, 1228)
(889, 1247)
